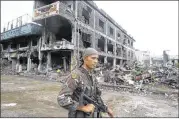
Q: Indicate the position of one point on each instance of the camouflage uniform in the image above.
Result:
(69, 96)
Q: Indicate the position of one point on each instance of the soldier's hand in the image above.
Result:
(87, 108)
(110, 113)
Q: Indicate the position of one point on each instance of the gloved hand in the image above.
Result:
(87, 108)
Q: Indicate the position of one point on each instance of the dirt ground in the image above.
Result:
(27, 97)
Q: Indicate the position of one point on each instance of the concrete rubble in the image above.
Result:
(138, 79)
(133, 78)
(62, 30)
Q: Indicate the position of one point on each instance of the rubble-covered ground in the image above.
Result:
(28, 97)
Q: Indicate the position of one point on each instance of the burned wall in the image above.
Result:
(118, 50)
(110, 30)
(110, 46)
(124, 52)
(118, 61)
(100, 22)
(110, 61)
(101, 60)
(5, 46)
(85, 13)
(41, 3)
(100, 42)
(86, 37)
(119, 37)
(58, 57)
(70, 4)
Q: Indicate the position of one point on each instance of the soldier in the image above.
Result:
(69, 96)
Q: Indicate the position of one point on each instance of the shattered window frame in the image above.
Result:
(86, 15)
(111, 31)
(101, 23)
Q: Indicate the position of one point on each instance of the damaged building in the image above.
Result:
(59, 32)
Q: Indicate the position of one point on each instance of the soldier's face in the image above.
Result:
(91, 61)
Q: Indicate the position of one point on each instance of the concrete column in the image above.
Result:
(94, 34)
(121, 52)
(14, 61)
(76, 8)
(93, 40)
(17, 64)
(28, 57)
(78, 47)
(39, 54)
(121, 62)
(115, 42)
(126, 53)
(28, 64)
(75, 27)
(40, 65)
(114, 62)
(74, 62)
(105, 46)
(74, 35)
(43, 38)
(64, 63)
(114, 49)
(106, 27)
(49, 65)
(105, 59)
(40, 61)
(8, 49)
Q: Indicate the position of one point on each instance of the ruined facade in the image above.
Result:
(59, 33)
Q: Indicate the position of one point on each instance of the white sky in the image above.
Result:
(153, 24)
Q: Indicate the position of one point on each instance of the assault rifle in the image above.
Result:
(84, 99)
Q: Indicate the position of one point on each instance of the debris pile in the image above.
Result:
(133, 77)
(6, 68)
(136, 77)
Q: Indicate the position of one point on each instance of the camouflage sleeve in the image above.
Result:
(65, 95)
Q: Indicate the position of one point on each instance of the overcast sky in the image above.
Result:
(153, 24)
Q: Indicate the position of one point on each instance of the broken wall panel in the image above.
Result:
(101, 59)
(85, 37)
(110, 46)
(85, 13)
(118, 50)
(13, 46)
(100, 22)
(23, 43)
(110, 30)
(23, 63)
(119, 35)
(61, 60)
(100, 45)
(14, 61)
(110, 61)
(118, 61)
(5, 46)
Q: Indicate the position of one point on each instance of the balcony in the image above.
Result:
(21, 26)
(46, 11)
(58, 45)
(26, 30)
(23, 48)
(55, 17)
